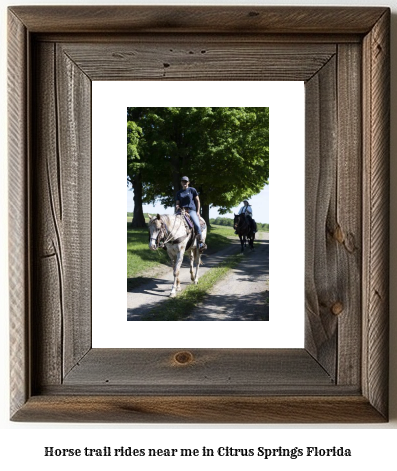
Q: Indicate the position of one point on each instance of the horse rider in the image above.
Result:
(246, 209)
(188, 199)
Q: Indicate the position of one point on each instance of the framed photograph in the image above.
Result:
(148, 289)
(340, 375)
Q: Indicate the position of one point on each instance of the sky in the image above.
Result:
(259, 203)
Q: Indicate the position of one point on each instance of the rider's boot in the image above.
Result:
(200, 243)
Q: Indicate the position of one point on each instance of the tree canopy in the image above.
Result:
(224, 152)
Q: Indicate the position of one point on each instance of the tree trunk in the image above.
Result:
(176, 182)
(205, 214)
(138, 219)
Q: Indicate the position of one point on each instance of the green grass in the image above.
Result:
(218, 238)
(140, 258)
(177, 309)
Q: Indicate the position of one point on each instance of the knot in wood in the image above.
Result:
(338, 235)
(337, 308)
(183, 358)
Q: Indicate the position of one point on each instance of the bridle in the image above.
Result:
(164, 233)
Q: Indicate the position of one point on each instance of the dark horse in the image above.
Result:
(244, 230)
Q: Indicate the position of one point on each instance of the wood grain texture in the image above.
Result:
(376, 93)
(321, 258)
(199, 19)
(180, 39)
(199, 409)
(62, 206)
(18, 212)
(47, 292)
(347, 226)
(73, 89)
(157, 369)
(342, 374)
(226, 59)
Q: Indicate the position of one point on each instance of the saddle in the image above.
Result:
(250, 221)
(190, 226)
(188, 221)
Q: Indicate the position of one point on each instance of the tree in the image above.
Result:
(134, 171)
(224, 151)
(235, 157)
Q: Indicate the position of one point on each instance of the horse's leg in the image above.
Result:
(192, 252)
(242, 243)
(252, 241)
(197, 260)
(177, 285)
(173, 263)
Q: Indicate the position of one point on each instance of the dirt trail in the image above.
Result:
(222, 304)
(244, 294)
(143, 298)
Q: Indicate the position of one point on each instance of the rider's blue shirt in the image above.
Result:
(186, 198)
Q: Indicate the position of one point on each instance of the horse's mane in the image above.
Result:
(243, 223)
(241, 217)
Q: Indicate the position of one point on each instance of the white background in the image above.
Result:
(286, 103)
(373, 446)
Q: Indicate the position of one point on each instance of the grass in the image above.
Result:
(140, 258)
(177, 309)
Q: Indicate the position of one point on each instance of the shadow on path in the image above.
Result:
(232, 307)
(243, 295)
(252, 272)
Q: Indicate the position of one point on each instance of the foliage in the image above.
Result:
(134, 163)
(145, 215)
(224, 151)
(221, 221)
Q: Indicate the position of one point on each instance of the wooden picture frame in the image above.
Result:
(342, 54)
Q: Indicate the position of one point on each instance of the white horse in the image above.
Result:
(172, 228)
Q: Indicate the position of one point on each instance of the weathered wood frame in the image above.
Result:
(343, 56)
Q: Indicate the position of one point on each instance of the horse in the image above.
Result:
(178, 238)
(244, 230)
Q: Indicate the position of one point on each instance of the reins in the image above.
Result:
(168, 234)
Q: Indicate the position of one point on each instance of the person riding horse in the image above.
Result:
(188, 199)
(246, 209)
